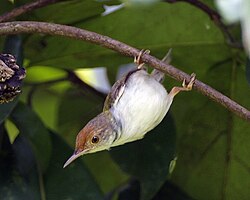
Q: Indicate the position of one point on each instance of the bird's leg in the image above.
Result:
(185, 87)
(137, 60)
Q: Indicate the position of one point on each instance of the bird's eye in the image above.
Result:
(95, 139)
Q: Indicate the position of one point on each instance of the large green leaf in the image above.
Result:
(171, 191)
(148, 159)
(248, 70)
(69, 12)
(30, 125)
(156, 27)
(73, 182)
(213, 143)
(76, 108)
(18, 176)
(5, 110)
(21, 177)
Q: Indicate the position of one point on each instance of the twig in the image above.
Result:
(92, 37)
(215, 17)
(25, 8)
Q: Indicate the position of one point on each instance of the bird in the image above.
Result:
(136, 104)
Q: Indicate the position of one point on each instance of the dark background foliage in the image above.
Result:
(208, 145)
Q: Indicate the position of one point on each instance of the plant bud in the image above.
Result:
(11, 76)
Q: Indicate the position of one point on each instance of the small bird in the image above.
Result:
(136, 104)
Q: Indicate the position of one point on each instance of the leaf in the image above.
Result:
(248, 70)
(148, 159)
(73, 182)
(213, 142)
(6, 109)
(130, 191)
(18, 178)
(76, 108)
(171, 191)
(70, 12)
(14, 45)
(30, 125)
(154, 35)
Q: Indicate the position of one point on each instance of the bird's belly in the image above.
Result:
(142, 107)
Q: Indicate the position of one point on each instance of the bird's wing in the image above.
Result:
(117, 90)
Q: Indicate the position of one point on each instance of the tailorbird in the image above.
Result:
(136, 104)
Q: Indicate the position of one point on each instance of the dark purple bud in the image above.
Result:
(11, 76)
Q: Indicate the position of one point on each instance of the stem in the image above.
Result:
(25, 8)
(41, 182)
(95, 38)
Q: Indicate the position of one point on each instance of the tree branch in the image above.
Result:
(25, 8)
(95, 38)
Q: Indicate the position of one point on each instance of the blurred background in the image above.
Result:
(199, 151)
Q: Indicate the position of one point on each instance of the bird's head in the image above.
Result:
(97, 135)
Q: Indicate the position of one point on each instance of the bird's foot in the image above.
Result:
(185, 86)
(137, 59)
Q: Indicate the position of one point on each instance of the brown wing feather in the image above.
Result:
(117, 90)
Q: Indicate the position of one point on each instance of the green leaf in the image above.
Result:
(14, 45)
(76, 108)
(161, 26)
(130, 191)
(171, 191)
(148, 159)
(69, 12)
(30, 125)
(248, 70)
(22, 178)
(6, 109)
(213, 142)
(18, 177)
(73, 182)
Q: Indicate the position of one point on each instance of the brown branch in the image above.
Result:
(215, 17)
(25, 8)
(95, 38)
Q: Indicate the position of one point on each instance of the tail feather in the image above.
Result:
(158, 75)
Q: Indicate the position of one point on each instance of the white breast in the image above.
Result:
(142, 106)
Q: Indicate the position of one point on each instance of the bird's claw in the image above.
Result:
(137, 59)
(185, 86)
(189, 86)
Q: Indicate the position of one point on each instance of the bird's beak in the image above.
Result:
(75, 155)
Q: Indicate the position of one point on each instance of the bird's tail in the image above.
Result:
(158, 75)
